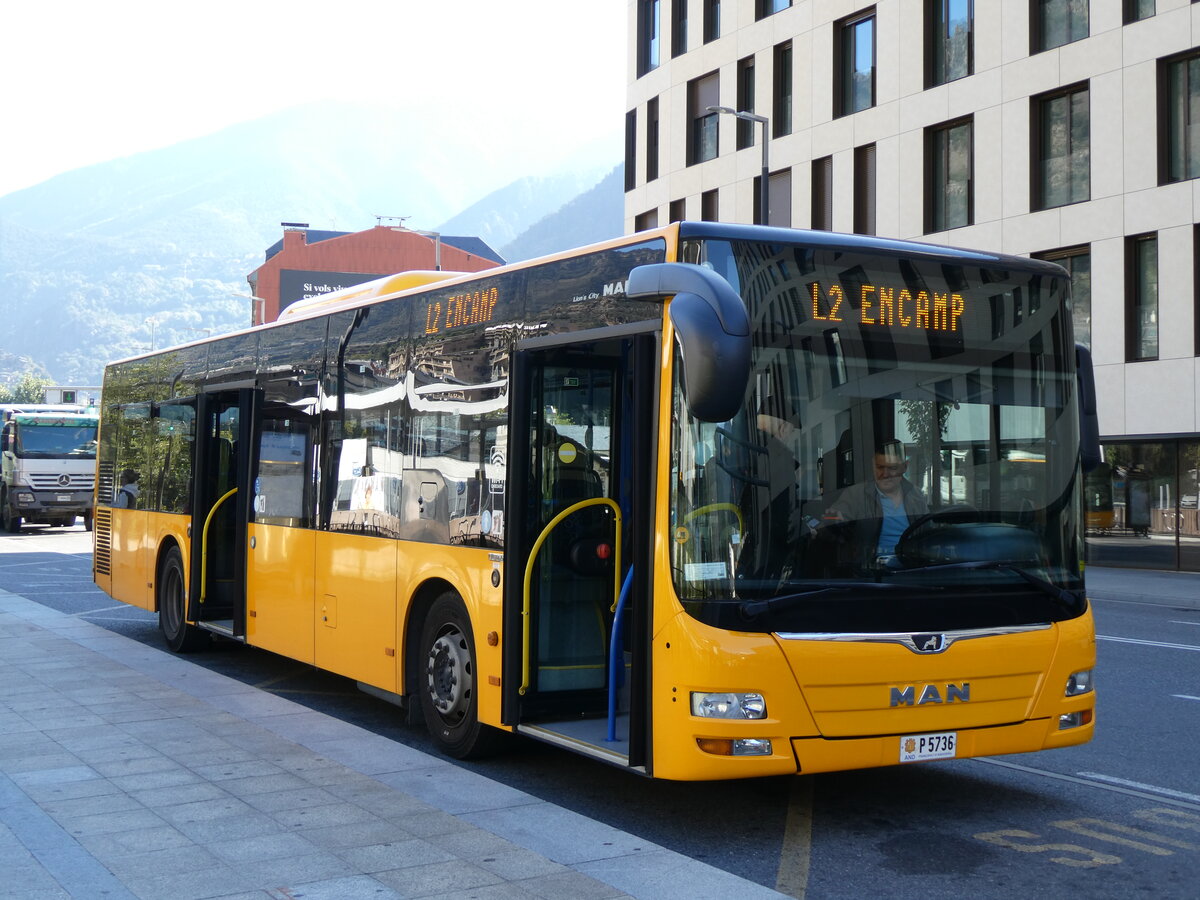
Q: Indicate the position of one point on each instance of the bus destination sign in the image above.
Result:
(885, 305)
(462, 309)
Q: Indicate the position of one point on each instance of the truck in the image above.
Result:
(48, 474)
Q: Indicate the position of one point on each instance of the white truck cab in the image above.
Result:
(49, 467)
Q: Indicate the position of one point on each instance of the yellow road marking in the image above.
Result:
(792, 878)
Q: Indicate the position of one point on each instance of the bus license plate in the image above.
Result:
(917, 747)
(63, 498)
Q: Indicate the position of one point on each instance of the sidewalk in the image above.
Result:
(127, 772)
(1144, 586)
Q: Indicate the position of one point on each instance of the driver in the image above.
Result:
(880, 510)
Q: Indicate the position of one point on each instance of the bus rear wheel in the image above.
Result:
(172, 607)
(448, 680)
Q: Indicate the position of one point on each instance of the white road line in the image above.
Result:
(1181, 622)
(1153, 794)
(1167, 645)
(1185, 697)
(1166, 792)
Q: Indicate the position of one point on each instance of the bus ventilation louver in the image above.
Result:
(102, 559)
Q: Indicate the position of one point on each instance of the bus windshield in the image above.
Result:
(55, 439)
(906, 456)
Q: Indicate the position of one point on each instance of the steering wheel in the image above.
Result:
(962, 512)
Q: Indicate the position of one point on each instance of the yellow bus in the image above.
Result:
(606, 500)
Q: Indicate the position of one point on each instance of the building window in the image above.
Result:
(678, 210)
(652, 139)
(646, 220)
(712, 20)
(779, 199)
(950, 154)
(679, 27)
(764, 8)
(854, 63)
(950, 40)
(708, 206)
(864, 189)
(631, 150)
(1141, 279)
(1078, 262)
(1061, 148)
(1179, 100)
(1056, 22)
(1196, 288)
(745, 101)
(703, 92)
(1136, 10)
(648, 33)
(781, 118)
(822, 194)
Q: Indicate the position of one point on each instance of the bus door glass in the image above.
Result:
(562, 573)
(220, 509)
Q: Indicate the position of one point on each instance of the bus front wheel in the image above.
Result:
(10, 520)
(172, 607)
(448, 682)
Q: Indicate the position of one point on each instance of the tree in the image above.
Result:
(29, 388)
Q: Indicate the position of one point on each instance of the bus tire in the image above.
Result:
(9, 519)
(448, 682)
(88, 519)
(172, 607)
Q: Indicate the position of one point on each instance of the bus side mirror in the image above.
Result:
(713, 331)
(1089, 419)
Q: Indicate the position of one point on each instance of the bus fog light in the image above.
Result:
(752, 747)
(1074, 720)
(735, 747)
(728, 705)
(1079, 683)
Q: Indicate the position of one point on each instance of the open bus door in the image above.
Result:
(220, 506)
(578, 549)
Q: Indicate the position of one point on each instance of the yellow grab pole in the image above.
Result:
(537, 545)
(204, 545)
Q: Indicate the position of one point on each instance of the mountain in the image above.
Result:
(106, 261)
(503, 215)
(595, 215)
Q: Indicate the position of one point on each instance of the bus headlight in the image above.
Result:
(728, 705)
(25, 497)
(1079, 683)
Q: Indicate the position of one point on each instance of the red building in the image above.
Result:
(308, 263)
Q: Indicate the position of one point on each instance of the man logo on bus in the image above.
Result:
(931, 693)
(929, 643)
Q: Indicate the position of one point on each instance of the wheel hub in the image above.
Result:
(450, 678)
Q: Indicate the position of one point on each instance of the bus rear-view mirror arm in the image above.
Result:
(713, 332)
(1089, 419)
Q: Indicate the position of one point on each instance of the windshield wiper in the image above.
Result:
(752, 608)
(1069, 599)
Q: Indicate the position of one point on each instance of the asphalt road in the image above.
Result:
(1114, 818)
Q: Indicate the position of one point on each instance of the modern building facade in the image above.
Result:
(1063, 129)
(306, 262)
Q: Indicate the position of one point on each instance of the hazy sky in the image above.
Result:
(86, 82)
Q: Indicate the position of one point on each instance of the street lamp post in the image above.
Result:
(763, 192)
(254, 301)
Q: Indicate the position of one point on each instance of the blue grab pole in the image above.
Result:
(614, 653)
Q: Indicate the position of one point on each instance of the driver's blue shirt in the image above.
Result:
(895, 520)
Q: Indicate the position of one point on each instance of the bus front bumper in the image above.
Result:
(835, 755)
